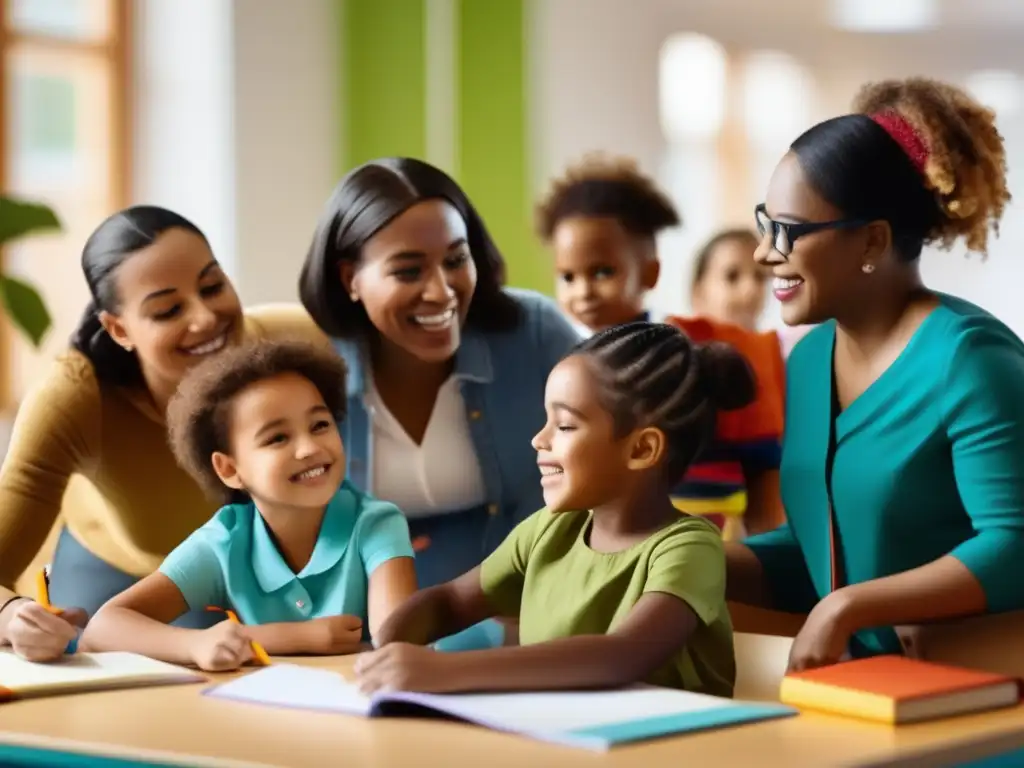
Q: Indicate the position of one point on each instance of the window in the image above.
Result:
(777, 95)
(64, 141)
(692, 87)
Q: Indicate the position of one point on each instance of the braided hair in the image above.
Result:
(652, 374)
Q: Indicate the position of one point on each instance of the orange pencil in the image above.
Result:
(43, 592)
(257, 650)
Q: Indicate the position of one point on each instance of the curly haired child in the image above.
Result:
(309, 563)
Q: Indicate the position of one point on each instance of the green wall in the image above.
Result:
(383, 99)
(383, 103)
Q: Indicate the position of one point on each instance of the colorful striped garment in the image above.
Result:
(747, 441)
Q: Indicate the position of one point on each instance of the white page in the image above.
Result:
(292, 686)
(83, 669)
(288, 685)
(556, 712)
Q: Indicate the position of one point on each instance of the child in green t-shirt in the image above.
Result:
(611, 584)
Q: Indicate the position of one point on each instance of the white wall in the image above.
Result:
(184, 114)
(237, 127)
(287, 137)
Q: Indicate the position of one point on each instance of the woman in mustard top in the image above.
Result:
(901, 471)
(89, 445)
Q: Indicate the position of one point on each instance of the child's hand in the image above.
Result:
(335, 635)
(405, 667)
(220, 648)
(37, 634)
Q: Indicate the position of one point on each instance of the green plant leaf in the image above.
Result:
(26, 308)
(19, 218)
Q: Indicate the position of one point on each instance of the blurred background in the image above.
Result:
(242, 115)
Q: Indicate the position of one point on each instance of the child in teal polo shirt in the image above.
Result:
(309, 563)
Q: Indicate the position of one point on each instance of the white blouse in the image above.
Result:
(440, 475)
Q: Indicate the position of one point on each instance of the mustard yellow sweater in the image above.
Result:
(99, 455)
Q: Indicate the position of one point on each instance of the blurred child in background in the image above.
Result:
(728, 285)
(602, 219)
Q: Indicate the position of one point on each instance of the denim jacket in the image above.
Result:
(503, 378)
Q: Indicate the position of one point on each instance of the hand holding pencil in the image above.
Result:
(221, 648)
(225, 646)
(257, 650)
(36, 630)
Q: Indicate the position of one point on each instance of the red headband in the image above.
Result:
(904, 134)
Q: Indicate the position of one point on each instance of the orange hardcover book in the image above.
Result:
(896, 689)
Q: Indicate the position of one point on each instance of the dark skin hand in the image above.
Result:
(943, 589)
(657, 627)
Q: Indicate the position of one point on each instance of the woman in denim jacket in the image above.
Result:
(447, 368)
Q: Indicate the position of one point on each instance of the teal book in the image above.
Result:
(595, 720)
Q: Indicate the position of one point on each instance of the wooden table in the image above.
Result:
(179, 725)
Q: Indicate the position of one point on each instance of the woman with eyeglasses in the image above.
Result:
(901, 470)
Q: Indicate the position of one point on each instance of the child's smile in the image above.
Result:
(318, 473)
(550, 473)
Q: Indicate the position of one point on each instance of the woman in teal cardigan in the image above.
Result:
(903, 459)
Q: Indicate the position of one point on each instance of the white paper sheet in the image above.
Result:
(292, 686)
(86, 670)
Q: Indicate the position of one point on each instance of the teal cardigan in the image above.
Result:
(929, 461)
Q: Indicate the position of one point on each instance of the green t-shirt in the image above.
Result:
(545, 573)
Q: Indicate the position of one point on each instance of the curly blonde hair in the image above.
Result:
(602, 185)
(966, 166)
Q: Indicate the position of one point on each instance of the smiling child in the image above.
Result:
(304, 558)
(612, 585)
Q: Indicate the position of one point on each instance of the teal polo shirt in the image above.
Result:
(232, 561)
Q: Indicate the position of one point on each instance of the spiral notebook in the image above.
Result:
(596, 720)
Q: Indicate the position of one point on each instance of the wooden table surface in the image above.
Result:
(180, 725)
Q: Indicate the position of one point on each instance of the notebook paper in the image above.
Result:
(294, 687)
(85, 671)
(590, 719)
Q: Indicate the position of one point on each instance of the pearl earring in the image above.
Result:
(867, 269)
(354, 297)
(129, 347)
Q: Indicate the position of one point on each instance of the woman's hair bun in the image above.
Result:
(966, 166)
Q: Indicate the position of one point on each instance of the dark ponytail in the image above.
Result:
(110, 245)
(653, 374)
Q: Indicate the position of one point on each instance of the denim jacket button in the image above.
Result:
(474, 415)
(492, 509)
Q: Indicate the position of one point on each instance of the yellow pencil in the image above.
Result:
(43, 592)
(257, 650)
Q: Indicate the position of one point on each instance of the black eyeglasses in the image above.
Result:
(784, 235)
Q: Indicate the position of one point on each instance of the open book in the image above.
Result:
(85, 672)
(590, 719)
